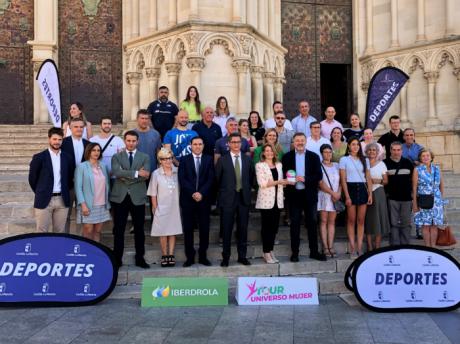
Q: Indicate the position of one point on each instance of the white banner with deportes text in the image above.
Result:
(48, 81)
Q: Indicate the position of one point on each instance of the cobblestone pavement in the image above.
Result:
(124, 321)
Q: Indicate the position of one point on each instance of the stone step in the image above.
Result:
(17, 159)
(24, 146)
(14, 139)
(13, 168)
(13, 197)
(451, 180)
(10, 183)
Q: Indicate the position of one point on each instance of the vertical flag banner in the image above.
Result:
(48, 81)
(383, 89)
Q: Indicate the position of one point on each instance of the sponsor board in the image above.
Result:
(181, 291)
(405, 278)
(50, 269)
(277, 291)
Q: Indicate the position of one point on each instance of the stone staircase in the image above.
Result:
(18, 145)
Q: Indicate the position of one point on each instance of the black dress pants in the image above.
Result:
(270, 219)
(196, 213)
(298, 204)
(120, 218)
(241, 211)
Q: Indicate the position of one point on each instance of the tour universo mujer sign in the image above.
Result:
(50, 269)
(405, 278)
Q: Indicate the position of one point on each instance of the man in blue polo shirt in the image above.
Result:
(178, 139)
(163, 112)
(209, 131)
(222, 148)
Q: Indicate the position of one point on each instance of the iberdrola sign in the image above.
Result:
(170, 292)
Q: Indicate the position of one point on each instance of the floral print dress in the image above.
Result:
(435, 215)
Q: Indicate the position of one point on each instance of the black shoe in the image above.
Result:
(318, 256)
(419, 237)
(224, 263)
(204, 261)
(188, 263)
(244, 261)
(295, 258)
(142, 264)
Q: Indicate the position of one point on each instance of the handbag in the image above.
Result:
(339, 206)
(427, 201)
(445, 237)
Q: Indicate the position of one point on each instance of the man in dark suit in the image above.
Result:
(196, 176)
(130, 168)
(50, 177)
(234, 174)
(74, 145)
(302, 196)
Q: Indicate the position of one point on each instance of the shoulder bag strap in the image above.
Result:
(327, 176)
(359, 173)
(107, 144)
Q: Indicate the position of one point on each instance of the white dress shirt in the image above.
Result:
(239, 160)
(78, 149)
(56, 162)
(136, 173)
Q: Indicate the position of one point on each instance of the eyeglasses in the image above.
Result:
(163, 159)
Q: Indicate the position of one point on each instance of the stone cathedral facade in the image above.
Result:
(113, 55)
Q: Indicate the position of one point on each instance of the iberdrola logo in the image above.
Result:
(161, 292)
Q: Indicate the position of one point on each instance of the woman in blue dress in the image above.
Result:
(427, 180)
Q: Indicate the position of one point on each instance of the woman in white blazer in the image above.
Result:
(269, 174)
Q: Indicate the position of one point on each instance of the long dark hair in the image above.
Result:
(226, 110)
(361, 156)
(197, 99)
(259, 120)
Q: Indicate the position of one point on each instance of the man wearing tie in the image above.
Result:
(234, 174)
(302, 196)
(196, 176)
(130, 169)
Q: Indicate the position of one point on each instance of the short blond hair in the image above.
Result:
(164, 153)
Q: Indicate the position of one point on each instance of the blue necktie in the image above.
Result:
(130, 159)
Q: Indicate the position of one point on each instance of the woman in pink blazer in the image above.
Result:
(269, 174)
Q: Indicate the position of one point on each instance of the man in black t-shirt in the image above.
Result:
(395, 134)
(163, 112)
(399, 191)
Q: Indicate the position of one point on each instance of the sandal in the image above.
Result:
(332, 252)
(171, 261)
(164, 261)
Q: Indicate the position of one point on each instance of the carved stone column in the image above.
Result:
(271, 20)
(244, 97)
(236, 7)
(135, 18)
(268, 94)
(450, 18)
(153, 75)
(134, 79)
(196, 65)
(278, 88)
(172, 17)
(433, 119)
(257, 90)
(369, 27)
(394, 24)
(194, 14)
(420, 21)
(173, 70)
(457, 120)
(405, 122)
(262, 21)
(153, 22)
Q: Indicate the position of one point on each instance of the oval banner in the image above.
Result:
(406, 278)
(50, 269)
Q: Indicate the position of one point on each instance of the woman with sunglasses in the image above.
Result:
(164, 191)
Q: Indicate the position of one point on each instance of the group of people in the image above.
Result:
(189, 158)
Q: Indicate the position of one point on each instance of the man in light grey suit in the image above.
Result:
(130, 168)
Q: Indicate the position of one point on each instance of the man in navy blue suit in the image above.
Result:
(74, 145)
(196, 176)
(50, 177)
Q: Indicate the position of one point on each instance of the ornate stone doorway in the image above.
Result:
(315, 32)
(90, 56)
(16, 77)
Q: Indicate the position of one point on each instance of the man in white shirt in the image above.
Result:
(270, 122)
(329, 123)
(315, 141)
(301, 123)
(110, 143)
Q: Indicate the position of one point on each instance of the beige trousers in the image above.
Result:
(55, 214)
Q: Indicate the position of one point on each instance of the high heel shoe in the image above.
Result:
(268, 258)
(273, 257)
(331, 252)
